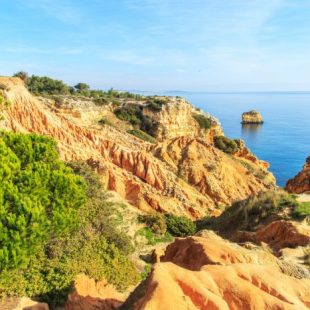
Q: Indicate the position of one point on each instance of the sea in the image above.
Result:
(284, 138)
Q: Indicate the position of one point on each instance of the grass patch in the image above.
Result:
(247, 214)
(302, 210)
(142, 135)
(153, 238)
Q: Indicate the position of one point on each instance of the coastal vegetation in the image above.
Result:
(56, 221)
(203, 121)
(247, 214)
(226, 145)
(46, 86)
(142, 135)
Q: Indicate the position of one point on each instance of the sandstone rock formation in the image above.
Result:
(210, 273)
(301, 182)
(185, 176)
(89, 295)
(176, 120)
(252, 117)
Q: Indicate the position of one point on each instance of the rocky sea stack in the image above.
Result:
(252, 117)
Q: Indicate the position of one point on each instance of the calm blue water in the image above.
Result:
(283, 140)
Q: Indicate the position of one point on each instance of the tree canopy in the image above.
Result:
(39, 196)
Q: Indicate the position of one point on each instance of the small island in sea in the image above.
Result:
(252, 117)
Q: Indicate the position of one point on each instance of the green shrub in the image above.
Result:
(225, 144)
(302, 210)
(179, 226)
(43, 85)
(155, 221)
(153, 238)
(95, 247)
(130, 113)
(101, 101)
(203, 121)
(39, 196)
(155, 104)
(142, 135)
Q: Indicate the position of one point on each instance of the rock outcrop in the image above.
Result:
(278, 235)
(252, 117)
(176, 120)
(149, 177)
(210, 273)
(301, 182)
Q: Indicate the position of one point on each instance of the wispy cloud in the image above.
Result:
(63, 10)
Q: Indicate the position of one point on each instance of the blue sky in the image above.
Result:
(206, 45)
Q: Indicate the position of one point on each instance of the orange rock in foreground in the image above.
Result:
(211, 273)
(238, 286)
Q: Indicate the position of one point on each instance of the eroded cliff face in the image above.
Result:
(211, 273)
(183, 175)
(176, 120)
(301, 182)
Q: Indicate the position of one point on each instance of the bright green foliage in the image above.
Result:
(226, 145)
(95, 247)
(302, 210)
(154, 221)
(203, 121)
(39, 196)
(46, 86)
(142, 135)
(153, 238)
(179, 226)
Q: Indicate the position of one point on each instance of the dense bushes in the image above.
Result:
(39, 196)
(42, 85)
(226, 145)
(155, 104)
(142, 135)
(203, 121)
(130, 113)
(47, 86)
(155, 221)
(54, 223)
(133, 114)
(179, 226)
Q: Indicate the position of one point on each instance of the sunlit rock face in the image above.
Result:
(301, 182)
(183, 173)
(211, 273)
(252, 117)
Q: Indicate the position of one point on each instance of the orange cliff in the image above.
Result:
(301, 182)
(185, 175)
